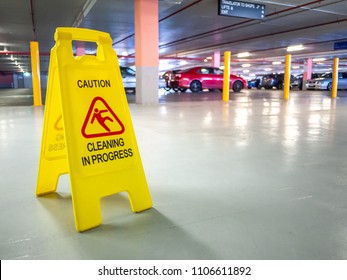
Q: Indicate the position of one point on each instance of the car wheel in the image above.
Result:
(175, 89)
(280, 85)
(330, 86)
(183, 89)
(195, 86)
(237, 86)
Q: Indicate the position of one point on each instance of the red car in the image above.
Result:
(199, 78)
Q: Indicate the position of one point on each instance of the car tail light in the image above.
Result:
(177, 76)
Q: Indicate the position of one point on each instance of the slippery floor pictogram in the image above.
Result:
(101, 120)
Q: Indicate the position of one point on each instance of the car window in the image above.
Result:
(327, 75)
(217, 71)
(204, 70)
(344, 75)
(127, 71)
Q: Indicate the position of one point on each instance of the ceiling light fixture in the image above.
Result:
(276, 62)
(295, 48)
(243, 54)
(319, 59)
(246, 65)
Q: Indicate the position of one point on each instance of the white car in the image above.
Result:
(325, 82)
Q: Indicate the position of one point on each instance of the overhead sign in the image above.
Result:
(340, 46)
(88, 131)
(241, 9)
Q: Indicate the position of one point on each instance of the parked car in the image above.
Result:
(171, 83)
(128, 78)
(325, 82)
(272, 80)
(199, 78)
(297, 81)
(254, 83)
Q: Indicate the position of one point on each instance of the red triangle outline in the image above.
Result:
(91, 107)
(58, 122)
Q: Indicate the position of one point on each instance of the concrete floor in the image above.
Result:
(256, 178)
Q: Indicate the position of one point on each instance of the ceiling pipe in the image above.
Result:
(190, 38)
(32, 20)
(217, 46)
(22, 53)
(164, 18)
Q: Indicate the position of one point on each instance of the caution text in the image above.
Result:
(93, 83)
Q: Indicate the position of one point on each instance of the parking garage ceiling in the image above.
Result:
(190, 31)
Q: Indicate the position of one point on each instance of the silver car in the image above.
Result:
(325, 82)
(129, 79)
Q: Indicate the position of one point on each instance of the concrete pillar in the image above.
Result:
(335, 77)
(287, 75)
(35, 70)
(307, 72)
(226, 77)
(80, 48)
(216, 59)
(147, 51)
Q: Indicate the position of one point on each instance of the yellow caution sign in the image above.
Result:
(88, 131)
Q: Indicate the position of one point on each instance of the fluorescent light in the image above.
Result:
(209, 57)
(296, 67)
(267, 69)
(295, 48)
(183, 62)
(246, 65)
(246, 71)
(276, 62)
(243, 54)
(319, 59)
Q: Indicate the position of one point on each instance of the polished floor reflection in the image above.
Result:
(255, 178)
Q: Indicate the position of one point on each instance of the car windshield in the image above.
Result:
(128, 71)
(326, 75)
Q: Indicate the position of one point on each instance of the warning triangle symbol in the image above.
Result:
(101, 120)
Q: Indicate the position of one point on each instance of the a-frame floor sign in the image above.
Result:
(87, 129)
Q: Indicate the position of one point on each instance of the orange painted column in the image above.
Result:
(80, 48)
(147, 51)
(307, 72)
(216, 59)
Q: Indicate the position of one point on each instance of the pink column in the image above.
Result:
(216, 59)
(147, 51)
(307, 72)
(80, 48)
